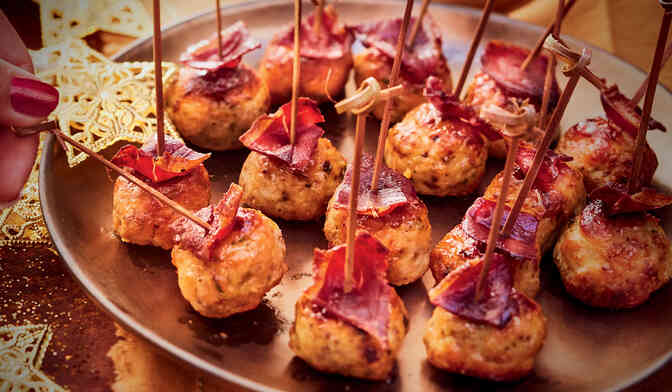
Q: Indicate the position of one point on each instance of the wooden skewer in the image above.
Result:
(542, 147)
(540, 41)
(642, 87)
(418, 23)
(158, 79)
(317, 25)
(219, 28)
(394, 78)
(634, 182)
(296, 72)
(550, 67)
(487, 9)
(366, 96)
(360, 130)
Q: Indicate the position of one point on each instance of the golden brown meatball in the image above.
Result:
(613, 262)
(212, 110)
(603, 152)
(405, 232)
(371, 63)
(270, 186)
(139, 218)
(441, 158)
(456, 249)
(244, 266)
(458, 345)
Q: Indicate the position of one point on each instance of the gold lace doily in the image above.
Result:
(22, 349)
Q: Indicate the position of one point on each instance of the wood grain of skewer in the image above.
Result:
(317, 24)
(394, 77)
(634, 182)
(550, 66)
(540, 42)
(158, 79)
(478, 34)
(418, 23)
(218, 8)
(296, 71)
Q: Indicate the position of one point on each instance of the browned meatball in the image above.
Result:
(458, 345)
(613, 262)
(244, 266)
(441, 158)
(603, 152)
(211, 110)
(139, 218)
(270, 186)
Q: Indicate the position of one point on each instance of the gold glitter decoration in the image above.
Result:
(22, 349)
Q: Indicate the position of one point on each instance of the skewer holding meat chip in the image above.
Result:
(392, 213)
(326, 59)
(216, 97)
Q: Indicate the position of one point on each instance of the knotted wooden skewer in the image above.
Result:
(158, 79)
(478, 34)
(540, 42)
(575, 69)
(418, 23)
(52, 126)
(296, 71)
(394, 78)
(515, 127)
(550, 67)
(218, 8)
(634, 183)
(359, 104)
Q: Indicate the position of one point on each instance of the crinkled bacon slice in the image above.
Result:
(502, 61)
(619, 201)
(222, 219)
(450, 107)
(618, 109)
(177, 159)
(551, 167)
(332, 42)
(522, 240)
(236, 42)
(456, 293)
(394, 190)
(367, 305)
(418, 62)
(269, 134)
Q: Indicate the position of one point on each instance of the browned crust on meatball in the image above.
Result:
(215, 119)
(138, 218)
(244, 267)
(481, 350)
(270, 186)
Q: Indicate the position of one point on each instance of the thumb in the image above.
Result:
(17, 155)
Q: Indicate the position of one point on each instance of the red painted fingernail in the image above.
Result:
(32, 97)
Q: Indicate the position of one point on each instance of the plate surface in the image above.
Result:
(586, 349)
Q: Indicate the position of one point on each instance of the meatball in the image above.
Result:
(270, 186)
(371, 63)
(405, 232)
(245, 265)
(139, 218)
(481, 350)
(613, 262)
(603, 152)
(211, 110)
(456, 249)
(334, 346)
(441, 158)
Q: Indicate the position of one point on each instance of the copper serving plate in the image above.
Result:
(586, 349)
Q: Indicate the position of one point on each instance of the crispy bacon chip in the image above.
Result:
(394, 190)
(502, 61)
(418, 62)
(456, 293)
(551, 167)
(269, 134)
(619, 201)
(617, 108)
(177, 159)
(367, 305)
(522, 240)
(236, 42)
(222, 218)
(332, 42)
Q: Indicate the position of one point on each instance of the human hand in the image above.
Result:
(24, 101)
